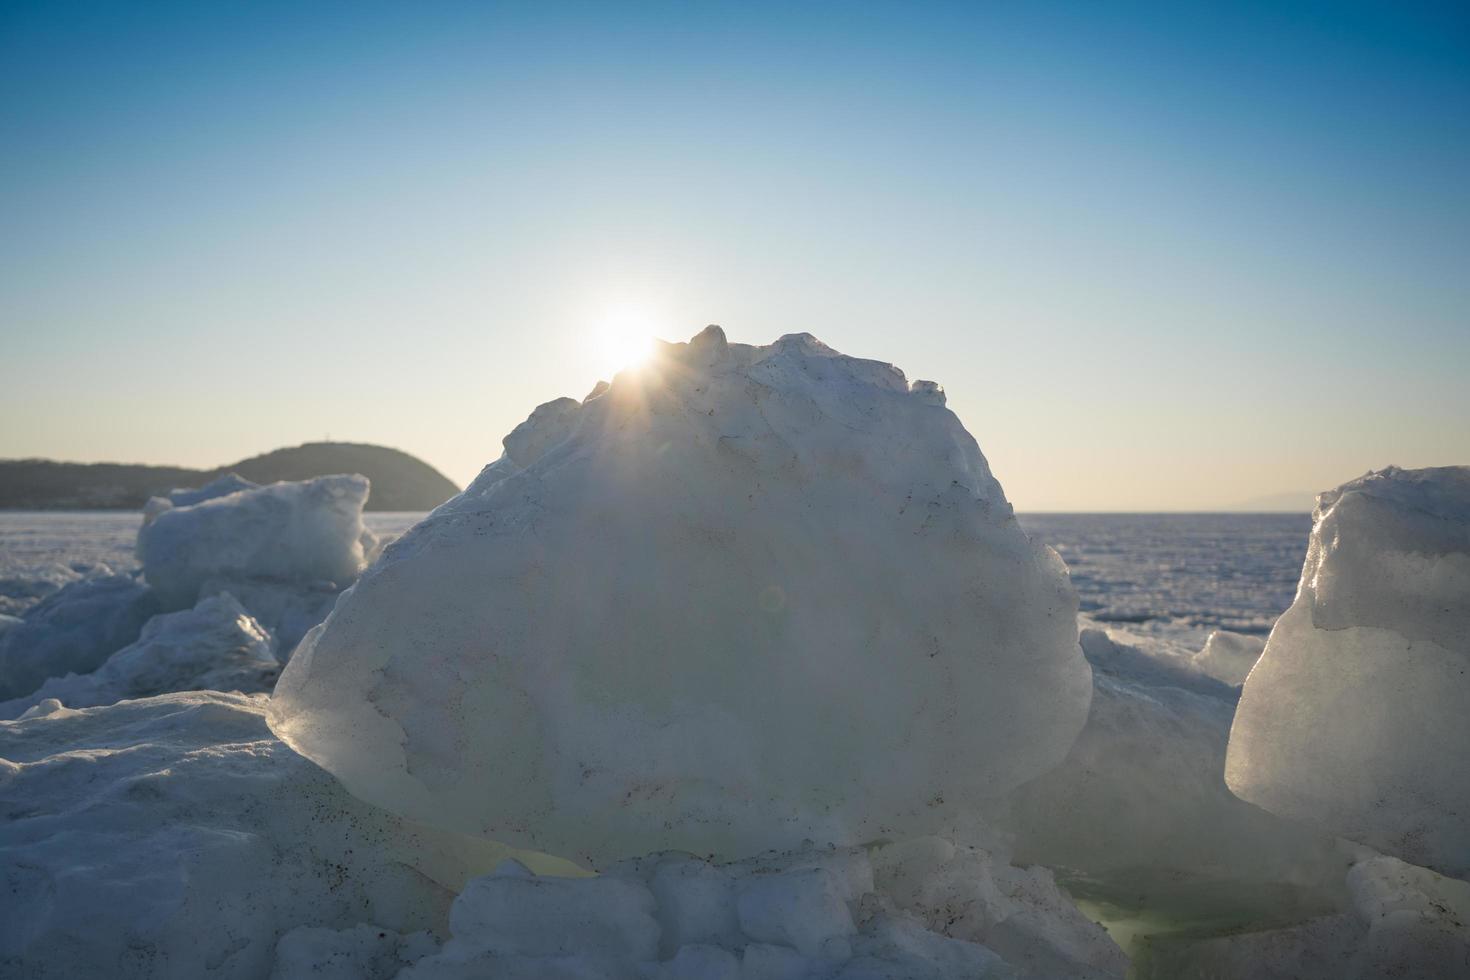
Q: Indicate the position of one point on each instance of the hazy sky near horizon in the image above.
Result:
(1166, 256)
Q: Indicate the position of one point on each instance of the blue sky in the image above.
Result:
(1168, 256)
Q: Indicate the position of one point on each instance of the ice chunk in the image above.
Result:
(895, 947)
(174, 837)
(696, 904)
(288, 611)
(297, 533)
(747, 596)
(1228, 656)
(512, 924)
(73, 630)
(966, 893)
(796, 921)
(802, 909)
(1354, 718)
(512, 914)
(214, 646)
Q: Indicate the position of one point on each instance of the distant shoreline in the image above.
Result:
(400, 482)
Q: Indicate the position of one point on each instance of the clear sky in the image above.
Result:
(1169, 256)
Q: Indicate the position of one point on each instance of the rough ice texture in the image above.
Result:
(1355, 716)
(217, 646)
(1228, 657)
(287, 611)
(175, 837)
(188, 496)
(742, 597)
(294, 533)
(73, 630)
(1404, 922)
(361, 953)
(925, 910)
(1139, 816)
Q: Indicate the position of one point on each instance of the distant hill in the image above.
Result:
(400, 481)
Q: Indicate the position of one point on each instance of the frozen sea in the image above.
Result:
(1179, 576)
(1171, 576)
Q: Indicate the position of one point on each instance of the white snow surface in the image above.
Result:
(1355, 716)
(175, 837)
(742, 597)
(297, 533)
(217, 646)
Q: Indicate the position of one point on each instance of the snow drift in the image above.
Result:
(1355, 716)
(742, 597)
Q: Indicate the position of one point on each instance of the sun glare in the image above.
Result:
(624, 340)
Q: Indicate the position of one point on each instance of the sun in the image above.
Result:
(624, 339)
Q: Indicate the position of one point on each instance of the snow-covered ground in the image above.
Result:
(739, 668)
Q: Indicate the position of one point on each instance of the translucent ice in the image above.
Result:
(1355, 716)
(741, 597)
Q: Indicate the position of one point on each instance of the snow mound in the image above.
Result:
(1354, 718)
(1228, 657)
(175, 837)
(217, 646)
(742, 597)
(73, 630)
(294, 533)
(924, 910)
